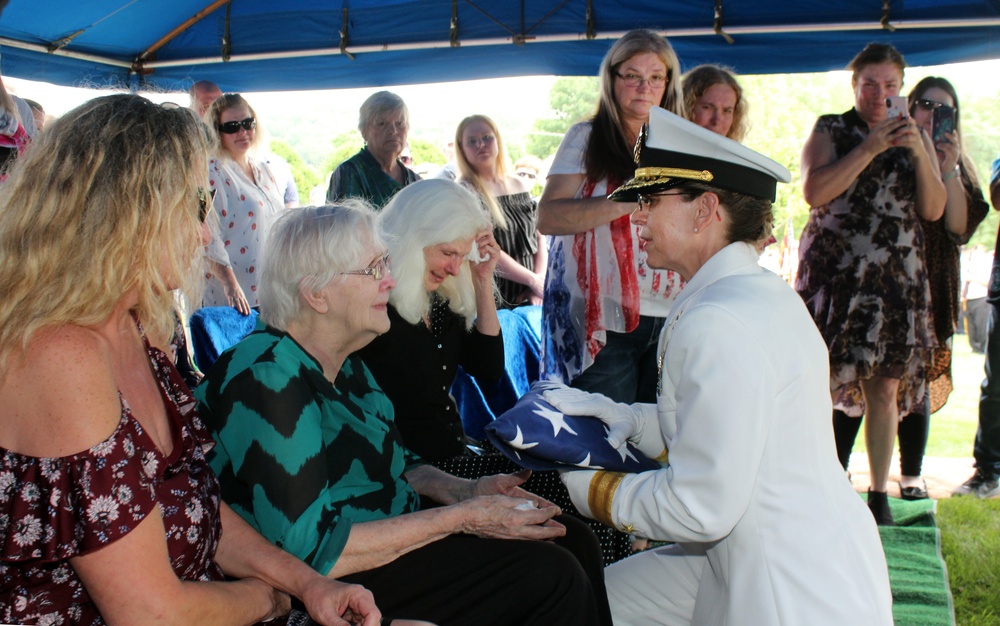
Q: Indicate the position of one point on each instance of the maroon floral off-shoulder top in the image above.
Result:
(52, 509)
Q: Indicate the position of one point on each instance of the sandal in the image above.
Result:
(918, 492)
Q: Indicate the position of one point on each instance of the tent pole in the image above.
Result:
(694, 32)
(180, 29)
(82, 56)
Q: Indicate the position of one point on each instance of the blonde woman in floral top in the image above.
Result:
(247, 200)
(109, 511)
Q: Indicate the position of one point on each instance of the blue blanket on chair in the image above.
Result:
(214, 329)
(479, 404)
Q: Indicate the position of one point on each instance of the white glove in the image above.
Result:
(624, 421)
(578, 485)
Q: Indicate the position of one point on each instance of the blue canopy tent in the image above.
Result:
(253, 45)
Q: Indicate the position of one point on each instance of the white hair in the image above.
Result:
(306, 249)
(423, 214)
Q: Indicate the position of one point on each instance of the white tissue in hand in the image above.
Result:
(527, 505)
(475, 256)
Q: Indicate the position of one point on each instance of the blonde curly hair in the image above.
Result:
(105, 203)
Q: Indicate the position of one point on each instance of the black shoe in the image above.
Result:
(878, 504)
(979, 486)
(918, 492)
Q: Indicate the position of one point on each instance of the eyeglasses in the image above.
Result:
(377, 271)
(204, 202)
(929, 105)
(231, 128)
(646, 201)
(528, 175)
(634, 80)
(475, 142)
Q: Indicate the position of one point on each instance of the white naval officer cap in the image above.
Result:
(671, 151)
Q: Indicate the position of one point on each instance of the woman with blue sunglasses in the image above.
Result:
(247, 200)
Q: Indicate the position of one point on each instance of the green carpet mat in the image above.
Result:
(917, 575)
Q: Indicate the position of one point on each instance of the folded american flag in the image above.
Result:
(535, 435)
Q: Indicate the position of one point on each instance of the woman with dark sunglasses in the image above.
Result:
(247, 200)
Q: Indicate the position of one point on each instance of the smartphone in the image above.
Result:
(896, 106)
(944, 123)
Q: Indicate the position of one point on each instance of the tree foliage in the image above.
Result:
(345, 145)
(783, 110)
(572, 99)
(424, 151)
(305, 176)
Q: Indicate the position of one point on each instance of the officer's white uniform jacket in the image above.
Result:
(754, 483)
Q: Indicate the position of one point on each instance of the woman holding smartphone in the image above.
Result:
(870, 179)
(933, 104)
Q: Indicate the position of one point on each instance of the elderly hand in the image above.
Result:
(503, 517)
(489, 250)
(624, 422)
(578, 485)
(508, 485)
(333, 603)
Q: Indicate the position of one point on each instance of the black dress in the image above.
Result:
(519, 240)
(415, 367)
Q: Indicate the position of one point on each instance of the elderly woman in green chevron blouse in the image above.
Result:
(309, 455)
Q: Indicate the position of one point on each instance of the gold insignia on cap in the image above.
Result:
(640, 142)
(648, 173)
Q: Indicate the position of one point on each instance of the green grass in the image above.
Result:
(970, 528)
(970, 544)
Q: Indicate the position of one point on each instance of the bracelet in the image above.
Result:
(950, 174)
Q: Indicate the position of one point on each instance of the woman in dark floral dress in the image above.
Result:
(862, 273)
(965, 210)
(109, 511)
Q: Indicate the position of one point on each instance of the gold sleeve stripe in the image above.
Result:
(602, 494)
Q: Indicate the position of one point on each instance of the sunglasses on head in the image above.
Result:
(231, 128)
(204, 203)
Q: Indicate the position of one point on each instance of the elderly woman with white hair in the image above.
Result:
(443, 315)
(309, 455)
(443, 309)
(376, 172)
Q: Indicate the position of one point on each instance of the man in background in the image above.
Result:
(203, 93)
(984, 483)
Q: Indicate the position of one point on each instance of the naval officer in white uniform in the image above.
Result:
(768, 530)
